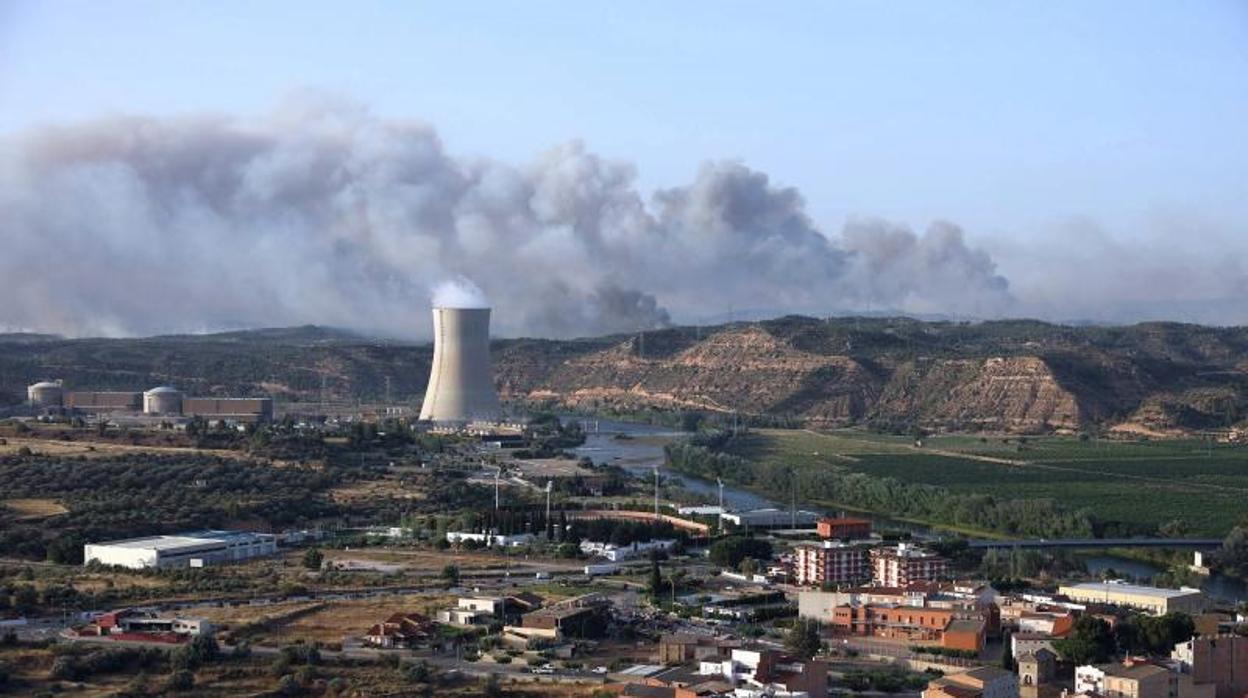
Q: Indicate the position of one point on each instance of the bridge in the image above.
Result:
(1194, 543)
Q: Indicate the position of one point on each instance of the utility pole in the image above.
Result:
(793, 510)
(498, 474)
(720, 482)
(549, 530)
(656, 494)
(387, 391)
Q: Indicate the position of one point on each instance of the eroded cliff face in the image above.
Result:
(743, 369)
(749, 370)
(1011, 393)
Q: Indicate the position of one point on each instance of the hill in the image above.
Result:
(1014, 375)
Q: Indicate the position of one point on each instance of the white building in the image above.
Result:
(770, 518)
(491, 540)
(1154, 600)
(618, 553)
(197, 549)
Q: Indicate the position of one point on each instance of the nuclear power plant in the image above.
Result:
(461, 380)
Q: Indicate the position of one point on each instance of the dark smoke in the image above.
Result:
(321, 213)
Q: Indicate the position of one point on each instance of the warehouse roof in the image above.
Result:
(184, 540)
(1130, 589)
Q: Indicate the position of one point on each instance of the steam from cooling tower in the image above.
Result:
(459, 292)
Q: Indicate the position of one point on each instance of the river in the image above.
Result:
(641, 451)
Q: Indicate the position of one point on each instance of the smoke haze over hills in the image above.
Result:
(320, 212)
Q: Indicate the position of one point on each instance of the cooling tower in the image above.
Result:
(461, 382)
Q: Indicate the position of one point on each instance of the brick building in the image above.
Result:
(843, 527)
(830, 564)
(905, 564)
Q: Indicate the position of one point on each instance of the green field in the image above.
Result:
(1142, 484)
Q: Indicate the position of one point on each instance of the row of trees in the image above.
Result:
(1094, 641)
(1032, 517)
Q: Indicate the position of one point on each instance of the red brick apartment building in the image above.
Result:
(830, 564)
(904, 564)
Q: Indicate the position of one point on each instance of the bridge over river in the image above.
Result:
(1194, 543)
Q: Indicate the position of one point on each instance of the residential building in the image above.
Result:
(983, 682)
(1127, 680)
(952, 629)
(1153, 600)
(678, 648)
(582, 616)
(1220, 660)
(195, 549)
(1036, 668)
(401, 630)
(125, 623)
(766, 672)
(844, 527)
(830, 564)
(905, 564)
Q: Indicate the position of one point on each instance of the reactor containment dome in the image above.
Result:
(461, 380)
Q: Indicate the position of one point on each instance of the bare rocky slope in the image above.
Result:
(1013, 375)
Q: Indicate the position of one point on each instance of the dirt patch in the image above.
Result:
(33, 508)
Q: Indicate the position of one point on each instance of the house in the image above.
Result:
(1036, 668)
(580, 617)
(678, 648)
(401, 630)
(131, 624)
(767, 672)
(1131, 679)
(983, 682)
(1217, 660)
(482, 610)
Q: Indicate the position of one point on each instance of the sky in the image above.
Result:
(1099, 146)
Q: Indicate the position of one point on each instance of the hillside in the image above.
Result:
(1009, 375)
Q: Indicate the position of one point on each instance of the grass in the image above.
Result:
(1143, 483)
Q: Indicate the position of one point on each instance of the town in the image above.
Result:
(547, 553)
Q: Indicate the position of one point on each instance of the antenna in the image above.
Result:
(656, 494)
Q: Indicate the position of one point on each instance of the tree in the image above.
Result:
(419, 673)
(1007, 655)
(180, 681)
(313, 558)
(1090, 642)
(1235, 552)
(492, 689)
(803, 638)
(656, 576)
(749, 567)
(729, 552)
(451, 574)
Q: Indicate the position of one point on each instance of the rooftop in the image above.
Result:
(184, 540)
(1132, 589)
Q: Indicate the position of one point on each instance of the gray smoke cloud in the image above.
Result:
(322, 213)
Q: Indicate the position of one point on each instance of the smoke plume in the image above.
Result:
(322, 213)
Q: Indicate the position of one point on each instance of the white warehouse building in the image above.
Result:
(197, 549)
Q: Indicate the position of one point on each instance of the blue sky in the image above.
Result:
(1005, 117)
(1096, 151)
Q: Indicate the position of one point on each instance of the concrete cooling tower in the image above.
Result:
(461, 381)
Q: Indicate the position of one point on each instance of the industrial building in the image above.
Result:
(461, 381)
(163, 400)
(101, 402)
(197, 549)
(1154, 600)
(238, 409)
(770, 518)
(46, 394)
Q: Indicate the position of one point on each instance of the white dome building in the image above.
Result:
(46, 394)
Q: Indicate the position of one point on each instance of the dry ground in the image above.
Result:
(332, 621)
(33, 508)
